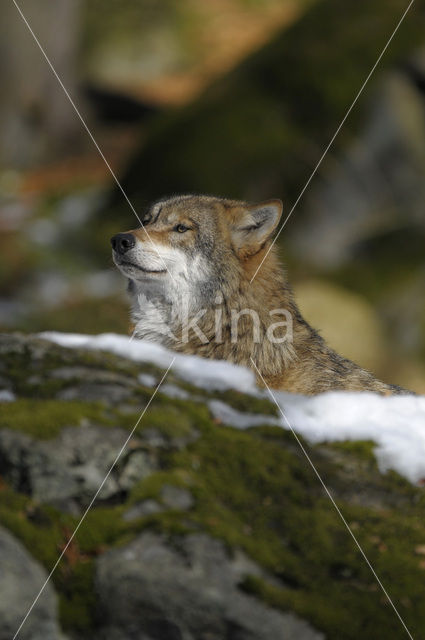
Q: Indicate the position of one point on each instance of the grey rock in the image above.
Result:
(147, 380)
(185, 589)
(141, 509)
(111, 394)
(176, 498)
(171, 498)
(21, 578)
(69, 469)
(139, 465)
(154, 438)
(173, 391)
(157, 440)
(94, 375)
(7, 396)
(72, 379)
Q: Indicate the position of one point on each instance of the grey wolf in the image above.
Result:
(189, 269)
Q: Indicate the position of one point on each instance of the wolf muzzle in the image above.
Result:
(123, 242)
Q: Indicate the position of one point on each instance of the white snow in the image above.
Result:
(395, 423)
(207, 374)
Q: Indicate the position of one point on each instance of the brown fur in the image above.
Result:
(219, 229)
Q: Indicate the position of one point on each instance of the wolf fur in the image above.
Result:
(189, 275)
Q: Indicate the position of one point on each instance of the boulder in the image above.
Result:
(186, 588)
(213, 525)
(68, 470)
(21, 578)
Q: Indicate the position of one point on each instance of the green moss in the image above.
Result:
(361, 449)
(41, 529)
(169, 420)
(45, 418)
(31, 369)
(266, 500)
(151, 486)
(253, 492)
(77, 601)
(44, 531)
(173, 417)
(279, 436)
(246, 403)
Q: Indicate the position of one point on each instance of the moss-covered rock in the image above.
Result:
(252, 490)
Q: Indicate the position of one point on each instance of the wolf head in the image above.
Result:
(190, 250)
(196, 244)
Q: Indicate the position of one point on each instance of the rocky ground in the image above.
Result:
(202, 531)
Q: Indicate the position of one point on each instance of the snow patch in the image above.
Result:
(213, 375)
(395, 423)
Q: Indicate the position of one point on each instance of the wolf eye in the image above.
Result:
(181, 228)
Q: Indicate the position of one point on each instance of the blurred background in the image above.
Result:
(237, 98)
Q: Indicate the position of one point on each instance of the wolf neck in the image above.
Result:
(251, 321)
(302, 363)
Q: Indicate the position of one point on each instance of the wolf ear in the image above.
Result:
(255, 226)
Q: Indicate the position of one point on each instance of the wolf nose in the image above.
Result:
(123, 242)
